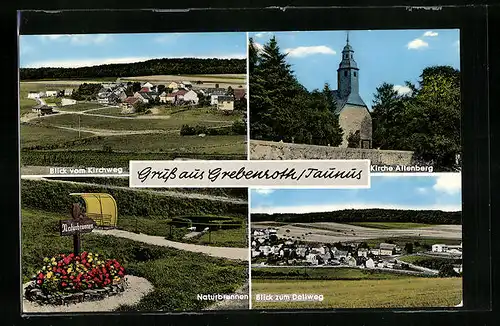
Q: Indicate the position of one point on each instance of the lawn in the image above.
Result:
(394, 293)
(323, 273)
(390, 225)
(81, 106)
(160, 227)
(43, 136)
(233, 144)
(26, 104)
(96, 122)
(177, 276)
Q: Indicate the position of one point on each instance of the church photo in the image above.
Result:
(391, 96)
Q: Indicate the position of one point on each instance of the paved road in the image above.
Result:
(221, 252)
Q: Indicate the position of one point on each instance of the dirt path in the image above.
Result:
(221, 252)
(137, 288)
(167, 193)
(110, 132)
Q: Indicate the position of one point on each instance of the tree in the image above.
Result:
(230, 91)
(409, 248)
(136, 86)
(425, 121)
(354, 139)
(446, 270)
(161, 89)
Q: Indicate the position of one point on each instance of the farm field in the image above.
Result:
(390, 225)
(42, 136)
(389, 293)
(329, 232)
(169, 270)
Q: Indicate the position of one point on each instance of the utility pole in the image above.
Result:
(79, 134)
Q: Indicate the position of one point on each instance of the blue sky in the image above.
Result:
(93, 49)
(440, 191)
(382, 55)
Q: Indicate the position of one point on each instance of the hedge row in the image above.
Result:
(108, 159)
(241, 193)
(237, 128)
(54, 196)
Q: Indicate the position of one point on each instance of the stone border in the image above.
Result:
(137, 288)
(35, 294)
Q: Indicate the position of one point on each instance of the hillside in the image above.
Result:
(175, 66)
(366, 215)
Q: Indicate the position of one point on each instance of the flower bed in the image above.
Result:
(69, 278)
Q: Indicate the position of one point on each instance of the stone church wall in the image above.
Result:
(266, 150)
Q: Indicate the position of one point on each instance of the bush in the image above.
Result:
(76, 273)
(54, 197)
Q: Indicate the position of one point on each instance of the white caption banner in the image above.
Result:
(235, 174)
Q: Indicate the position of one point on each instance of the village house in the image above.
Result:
(147, 85)
(129, 102)
(34, 95)
(68, 92)
(167, 97)
(173, 86)
(362, 252)
(225, 103)
(51, 93)
(42, 109)
(214, 94)
(179, 95)
(387, 249)
(239, 93)
(439, 248)
(351, 261)
(191, 97)
(120, 94)
(370, 263)
(67, 101)
(143, 96)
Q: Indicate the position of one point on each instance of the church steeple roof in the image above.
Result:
(348, 56)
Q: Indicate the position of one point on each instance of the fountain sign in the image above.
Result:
(79, 224)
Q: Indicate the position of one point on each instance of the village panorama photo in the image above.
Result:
(397, 244)
(391, 96)
(100, 100)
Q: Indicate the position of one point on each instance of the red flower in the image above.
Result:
(39, 282)
(64, 283)
(41, 276)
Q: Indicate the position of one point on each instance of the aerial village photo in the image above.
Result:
(100, 100)
(397, 244)
(92, 243)
(391, 96)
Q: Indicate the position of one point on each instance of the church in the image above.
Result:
(353, 113)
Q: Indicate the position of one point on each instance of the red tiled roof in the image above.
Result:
(180, 92)
(131, 100)
(144, 89)
(239, 93)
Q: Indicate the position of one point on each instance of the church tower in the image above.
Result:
(354, 116)
(348, 72)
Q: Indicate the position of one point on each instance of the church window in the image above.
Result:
(345, 73)
(354, 74)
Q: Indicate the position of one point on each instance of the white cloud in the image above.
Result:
(75, 63)
(304, 51)
(361, 205)
(402, 90)
(264, 192)
(450, 183)
(417, 44)
(422, 190)
(430, 34)
(167, 38)
(261, 34)
(78, 39)
(258, 46)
